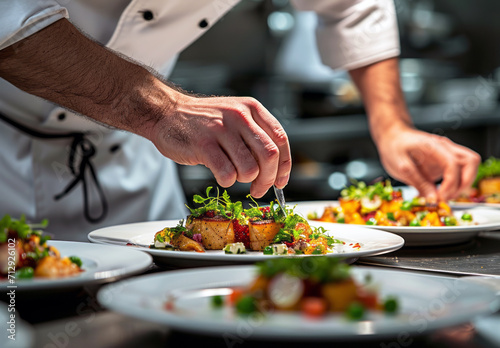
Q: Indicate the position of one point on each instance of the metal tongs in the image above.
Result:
(281, 198)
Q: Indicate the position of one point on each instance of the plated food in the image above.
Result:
(221, 224)
(381, 205)
(193, 291)
(24, 253)
(313, 287)
(486, 186)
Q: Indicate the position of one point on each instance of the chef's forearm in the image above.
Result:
(60, 64)
(383, 98)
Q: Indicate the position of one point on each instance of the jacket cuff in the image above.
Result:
(22, 18)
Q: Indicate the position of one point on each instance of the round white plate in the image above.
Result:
(101, 264)
(426, 303)
(410, 192)
(487, 220)
(142, 235)
(471, 205)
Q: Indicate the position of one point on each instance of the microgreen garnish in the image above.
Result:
(359, 190)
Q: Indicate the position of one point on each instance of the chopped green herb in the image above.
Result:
(355, 311)
(466, 217)
(358, 190)
(415, 223)
(246, 305)
(217, 301)
(391, 305)
(488, 169)
(25, 273)
(371, 221)
(76, 260)
(450, 221)
(407, 205)
(268, 250)
(390, 216)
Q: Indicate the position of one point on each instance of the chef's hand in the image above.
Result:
(235, 137)
(414, 157)
(420, 159)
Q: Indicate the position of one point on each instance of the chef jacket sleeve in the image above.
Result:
(354, 33)
(22, 18)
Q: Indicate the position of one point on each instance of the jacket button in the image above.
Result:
(203, 23)
(147, 15)
(61, 116)
(114, 148)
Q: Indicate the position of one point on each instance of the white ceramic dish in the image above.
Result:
(487, 220)
(427, 303)
(101, 264)
(142, 235)
(411, 192)
(472, 205)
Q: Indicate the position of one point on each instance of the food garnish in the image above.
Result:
(314, 287)
(381, 205)
(218, 223)
(26, 253)
(486, 186)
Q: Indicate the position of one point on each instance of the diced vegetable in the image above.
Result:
(76, 260)
(391, 305)
(314, 307)
(25, 273)
(355, 311)
(466, 217)
(217, 301)
(246, 305)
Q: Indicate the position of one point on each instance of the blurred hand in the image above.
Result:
(420, 159)
(236, 138)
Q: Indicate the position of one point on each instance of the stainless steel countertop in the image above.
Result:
(480, 256)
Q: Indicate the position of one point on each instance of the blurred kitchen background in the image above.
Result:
(450, 73)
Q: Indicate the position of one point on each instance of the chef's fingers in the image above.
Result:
(267, 155)
(460, 170)
(408, 172)
(241, 156)
(219, 164)
(470, 162)
(451, 181)
(278, 135)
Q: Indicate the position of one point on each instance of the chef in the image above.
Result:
(90, 127)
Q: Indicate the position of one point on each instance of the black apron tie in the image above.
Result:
(86, 150)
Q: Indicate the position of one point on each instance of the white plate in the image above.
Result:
(487, 219)
(427, 303)
(471, 205)
(101, 264)
(410, 192)
(143, 234)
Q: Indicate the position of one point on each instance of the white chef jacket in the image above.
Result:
(138, 182)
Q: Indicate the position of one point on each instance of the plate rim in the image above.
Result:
(142, 263)
(418, 230)
(188, 326)
(398, 243)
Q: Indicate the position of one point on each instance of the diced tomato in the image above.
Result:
(313, 307)
(235, 296)
(397, 194)
(169, 305)
(368, 299)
